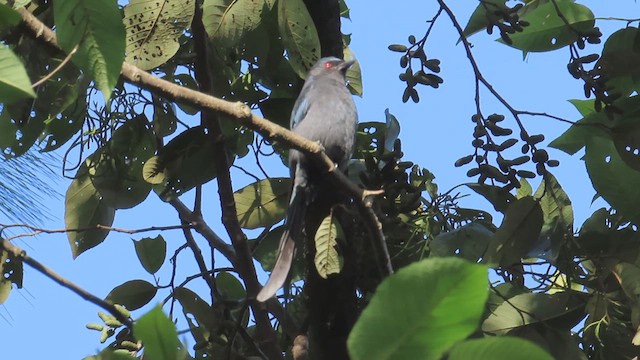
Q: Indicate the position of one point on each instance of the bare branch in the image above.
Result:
(22, 255)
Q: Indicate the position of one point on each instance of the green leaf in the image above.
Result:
(151, 253)
(557, 227)
(230, 287)
(517, 234)
(468, 242)
(354, 73)
(96, 27)
(227, 22)
(497, 196)
(626, 138)
(299, 35)
(197, 312)
(158, 335)
(153, 30)
(85, 209)
(8, 17)
(524, 189)
(262, 203)
(326, 259)
(492, 348)
(525, 309)
(424, 308)
(614, 180)
(132, 294)
(547, 31)
(628, 275)
(116, 168)
(479, 18)
(620, 61)
(14, 81)
(392, 131)
(182, 164)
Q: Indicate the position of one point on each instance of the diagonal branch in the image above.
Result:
(22, 255)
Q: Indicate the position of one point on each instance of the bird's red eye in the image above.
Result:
(328, 65)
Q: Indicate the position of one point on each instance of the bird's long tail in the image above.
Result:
(286, 249)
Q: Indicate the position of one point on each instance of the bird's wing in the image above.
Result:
(300, 109)
(293, 231)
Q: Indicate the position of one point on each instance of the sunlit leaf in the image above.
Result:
(153, 29)
(299, 35)
(424, 308)
(14, 81)
(158, 335)
(262, 203)
(96, 28)
(492, 348)
(326, 259)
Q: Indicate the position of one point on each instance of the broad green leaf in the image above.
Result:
(8, 17)
(620, 61)
(116, 168)
(503, 347)
(85, 209)
(227, 22)
(158, 335)
(182, 164)
(354, 73)
(299, 35)
(558, 219)
(14, 81)
(612, 178)
(596, 124)
(151, 253)
(564, 307)
(468, 242)
(197, 312)
(230, 287)
(524, 189)
(547, 31)
(517, 234)
(626, 139)
(479, 18)
(574, 138)
(96, 27)
(153, 29)
(262, 203)
(326, 259)
(497, 196)
(424, 308)
(628, 275)
(132, 294)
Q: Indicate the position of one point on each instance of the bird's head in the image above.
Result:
(331, 65)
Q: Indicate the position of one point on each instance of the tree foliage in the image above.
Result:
(161, 98)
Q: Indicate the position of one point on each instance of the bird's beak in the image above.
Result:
(346, 65)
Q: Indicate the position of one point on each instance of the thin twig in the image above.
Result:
(37, 231)
(58, 68)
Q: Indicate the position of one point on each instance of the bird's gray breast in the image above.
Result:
(330, 119)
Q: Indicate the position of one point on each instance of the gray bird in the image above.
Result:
(324, 112)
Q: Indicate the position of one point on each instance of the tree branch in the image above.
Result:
(22, 255)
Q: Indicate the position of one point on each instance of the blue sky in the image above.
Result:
(43, 318)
